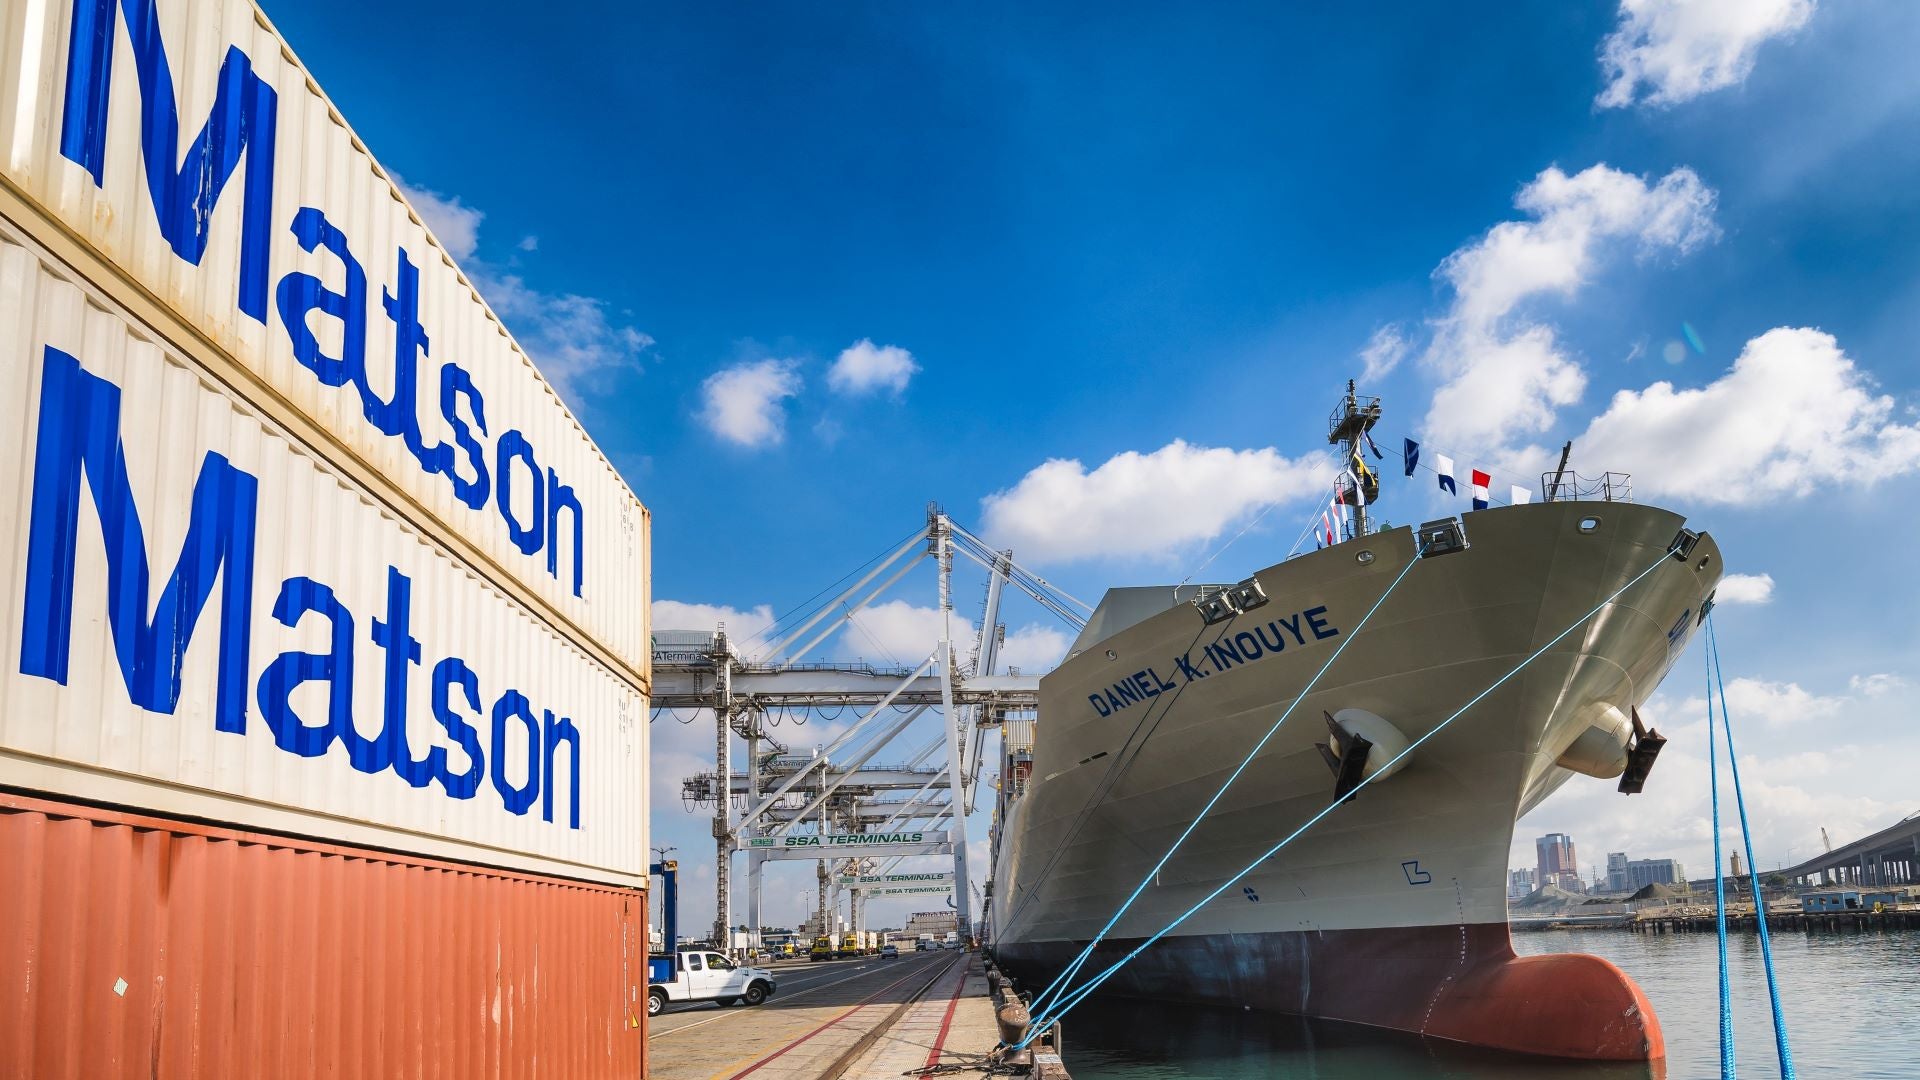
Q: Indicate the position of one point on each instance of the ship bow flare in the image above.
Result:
(1566, 1005)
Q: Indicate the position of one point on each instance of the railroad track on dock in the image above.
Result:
(837, 1068)
(784, 1000)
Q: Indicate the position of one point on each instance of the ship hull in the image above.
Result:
(1390, 910)
(1459, 983)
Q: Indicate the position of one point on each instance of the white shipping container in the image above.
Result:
(205, 617)
(290, 267)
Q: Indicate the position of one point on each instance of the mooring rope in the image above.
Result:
(1068, 1001)
(1719, 886)
(1780, 1044)
(1074, 968)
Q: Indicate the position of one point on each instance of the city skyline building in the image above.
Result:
(1617, 871)
(1520, 883)
(1558, 863)
(1644, 872)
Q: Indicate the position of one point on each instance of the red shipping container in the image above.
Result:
(133, 945)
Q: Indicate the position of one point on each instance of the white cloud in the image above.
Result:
(1744, 589)
(1573, 215)
(902, 632)
(1877, 685)
(452, 222)
(745, 628)
(1669, 51)
(1138, 505)
(529, 243)
(570, 337)
(1792, 417)
(1034, 648)
(1383, 352)
(864, 367)
(1776, 704)
(742, 402)
(898, 631)
(1502, 389)
(1502, 376)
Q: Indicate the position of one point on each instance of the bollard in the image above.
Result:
(1013, 1020)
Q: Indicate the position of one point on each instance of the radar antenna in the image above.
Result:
(1359, 485)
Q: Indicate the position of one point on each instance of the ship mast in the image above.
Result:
(1359, 485)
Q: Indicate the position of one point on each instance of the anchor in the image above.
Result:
(1641, 753)
(1349, 764)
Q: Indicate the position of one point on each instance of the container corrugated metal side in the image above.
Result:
(323, 676)
(1017, 734)
(179, 288)
(95, 188)
(137, 947)
(508, 798)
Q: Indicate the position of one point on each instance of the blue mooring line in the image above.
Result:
(1719, 886)
(1068, 1001)
(1074, 968)
(1780, 1044)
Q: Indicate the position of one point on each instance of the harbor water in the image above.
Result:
(1852, 1003)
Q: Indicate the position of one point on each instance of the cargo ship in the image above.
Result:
(1391, 911)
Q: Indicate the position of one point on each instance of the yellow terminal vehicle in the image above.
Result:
(822, 950)
(849, 944)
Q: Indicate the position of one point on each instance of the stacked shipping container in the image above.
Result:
(325, 664)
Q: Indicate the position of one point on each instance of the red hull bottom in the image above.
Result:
(1460, 983)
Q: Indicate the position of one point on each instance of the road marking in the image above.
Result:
(946, 1023)
(724, 1013)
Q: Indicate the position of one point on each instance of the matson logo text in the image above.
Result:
(536, 508)
(78, 449)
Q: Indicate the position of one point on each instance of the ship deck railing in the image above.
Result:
(1568, 486)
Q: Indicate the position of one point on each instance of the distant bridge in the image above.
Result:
(1888, 857)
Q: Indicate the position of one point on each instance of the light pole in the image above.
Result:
(669, 899)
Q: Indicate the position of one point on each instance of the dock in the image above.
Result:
(922, 1015)
(1698, 922)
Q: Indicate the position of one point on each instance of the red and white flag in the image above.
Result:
(1480, 482)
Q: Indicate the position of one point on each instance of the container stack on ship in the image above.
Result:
(1392, 911)
(323, 723)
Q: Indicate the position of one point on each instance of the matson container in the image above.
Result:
(323, 623)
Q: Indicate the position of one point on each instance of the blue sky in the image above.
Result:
(1155, 242)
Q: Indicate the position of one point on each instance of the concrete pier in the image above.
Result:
(864, 1019)
(952, 1023)
(1743, 922)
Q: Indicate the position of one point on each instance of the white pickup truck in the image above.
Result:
(698, 975)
